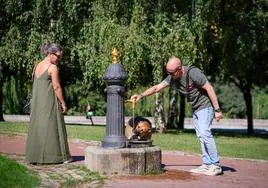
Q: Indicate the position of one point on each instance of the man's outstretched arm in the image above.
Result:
(148, 92)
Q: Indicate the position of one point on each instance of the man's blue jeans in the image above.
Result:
(202, 121)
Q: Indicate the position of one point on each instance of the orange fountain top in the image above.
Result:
(115, 55)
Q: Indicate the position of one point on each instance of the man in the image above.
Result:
(199, 92)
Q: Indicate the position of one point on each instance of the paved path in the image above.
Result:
(236, 172)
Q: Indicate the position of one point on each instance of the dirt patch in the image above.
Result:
(167, 175)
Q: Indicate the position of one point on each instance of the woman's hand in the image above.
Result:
(63, 107)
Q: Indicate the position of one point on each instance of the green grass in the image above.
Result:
(11, 127)
(229, 144)
(86, 132)
(86, 176)
(12, 174)
(236, 145)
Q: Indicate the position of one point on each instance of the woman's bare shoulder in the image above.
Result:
(52, 69)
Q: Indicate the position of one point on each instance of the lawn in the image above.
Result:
(229, 144)
(14, 174)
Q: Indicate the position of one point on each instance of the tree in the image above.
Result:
(109, 28)
(26, 26)
(13, 41)
(243, 41)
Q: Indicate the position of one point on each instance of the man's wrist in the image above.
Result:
(217, 109)
(141, 95)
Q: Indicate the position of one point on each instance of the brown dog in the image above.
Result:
(138, 128)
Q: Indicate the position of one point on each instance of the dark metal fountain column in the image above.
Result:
(115, 77)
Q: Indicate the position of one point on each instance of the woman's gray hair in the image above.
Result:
(51, 48)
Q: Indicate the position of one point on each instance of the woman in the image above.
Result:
(47, 137)
(89, 113)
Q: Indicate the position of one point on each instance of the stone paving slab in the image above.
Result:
(236, 172)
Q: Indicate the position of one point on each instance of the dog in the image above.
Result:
(138, 128)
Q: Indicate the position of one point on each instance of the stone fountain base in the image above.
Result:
(123, 161)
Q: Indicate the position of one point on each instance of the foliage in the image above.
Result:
(261, 107)
(13, 97)
(226, 39)
(78, 97)
(260, 103)
(230, 99)
(243, 44)
(144, 108)
(102, 33)
(243, 41)
(94, 48)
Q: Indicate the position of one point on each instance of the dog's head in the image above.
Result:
(144, 130)
(141, 128)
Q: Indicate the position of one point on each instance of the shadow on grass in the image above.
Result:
(238, 133)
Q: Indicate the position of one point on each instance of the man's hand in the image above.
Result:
(135, 98)
(218, 116)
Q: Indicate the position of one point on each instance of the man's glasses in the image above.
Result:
(174, 72)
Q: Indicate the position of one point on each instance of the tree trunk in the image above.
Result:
(172, 110)
(159, 113)
(182, 112)
(248, 100)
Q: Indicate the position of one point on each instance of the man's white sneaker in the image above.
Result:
(201, 169)
(213, 170)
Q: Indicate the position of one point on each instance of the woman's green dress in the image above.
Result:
(47, 137)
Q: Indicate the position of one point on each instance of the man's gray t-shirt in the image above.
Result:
(196, 95)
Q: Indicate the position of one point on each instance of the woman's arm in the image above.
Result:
(57, 87)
